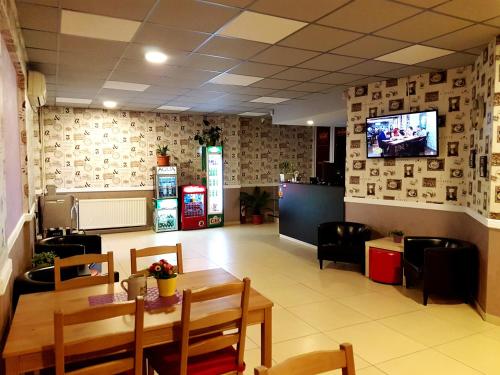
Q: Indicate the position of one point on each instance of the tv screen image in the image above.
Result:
(402, 135)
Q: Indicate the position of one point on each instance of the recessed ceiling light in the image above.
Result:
(260, 27)
(269, 99)
(414, 55)
(173, 108)
(73, 100)
(98, 27)
(109, 103)
(235, 79)
(252, 114)
(128, 86)
(310, 122)
(156, 57)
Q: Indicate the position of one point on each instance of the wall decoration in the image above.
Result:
(483, 166)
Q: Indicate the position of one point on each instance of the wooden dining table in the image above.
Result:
(30, 343)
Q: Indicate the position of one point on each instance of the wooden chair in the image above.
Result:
(203, 344)
(79, 260)
(314, 363)
(129, 345)
(155, 250)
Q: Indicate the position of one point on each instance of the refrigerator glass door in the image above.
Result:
(166, 215)
(215, 180)
(167, 186)
(194, 205)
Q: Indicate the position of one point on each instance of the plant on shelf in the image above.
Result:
(256, 203)
(165, 275)
(44, 259)
(397, 235)
(286, 168)
(162, 157)
(209, 136)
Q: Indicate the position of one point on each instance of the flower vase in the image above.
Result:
(166, 287)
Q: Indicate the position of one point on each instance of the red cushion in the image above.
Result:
(165, 360)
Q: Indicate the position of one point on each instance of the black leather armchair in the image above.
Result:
(445, 266)
(74, 244)
(342, 242)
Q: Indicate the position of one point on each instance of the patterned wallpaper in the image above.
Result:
(92, 148)
(3, 198)
(494, 155)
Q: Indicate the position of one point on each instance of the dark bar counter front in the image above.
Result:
(303, 207)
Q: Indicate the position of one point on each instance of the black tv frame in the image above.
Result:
(403, 157)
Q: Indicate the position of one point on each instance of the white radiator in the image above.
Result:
(111, 213)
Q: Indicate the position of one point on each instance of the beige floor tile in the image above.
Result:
(328, 315)
(372, 370)
(426, 328)
(461, 314)
(292, 295)
(477, 351)
(252, 360)
(377, 305)
(426, 362)
(493, 333)
(374, 342)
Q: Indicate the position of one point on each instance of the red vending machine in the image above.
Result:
(193, 207)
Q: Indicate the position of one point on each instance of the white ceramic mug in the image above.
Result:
(137, 286)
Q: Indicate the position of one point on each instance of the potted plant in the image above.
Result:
(256, 203)
(162, 157)
(44, 259)
(397, 235)
(209, 136)
(166, 277)
(285, 168)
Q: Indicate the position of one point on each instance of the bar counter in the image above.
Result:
(303, 207)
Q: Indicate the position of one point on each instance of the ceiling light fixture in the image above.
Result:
(252, 114)
(156, 57)
(109, 103)
(310, 122)
(269, 99)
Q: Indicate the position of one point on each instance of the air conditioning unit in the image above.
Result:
(37, 89)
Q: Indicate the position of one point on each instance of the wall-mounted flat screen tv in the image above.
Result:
(403, 135)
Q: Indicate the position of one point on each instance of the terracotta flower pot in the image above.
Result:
(397, 239)
(163, 160)
(166, 287)
(257, 219)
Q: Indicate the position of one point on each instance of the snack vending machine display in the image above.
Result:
(213, 165)
(165, 202)
(193, 203)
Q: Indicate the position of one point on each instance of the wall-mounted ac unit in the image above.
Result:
(37, 89)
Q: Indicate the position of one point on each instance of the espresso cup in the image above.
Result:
(136, 286)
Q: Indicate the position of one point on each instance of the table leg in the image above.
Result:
(12, 366)
(266, 342)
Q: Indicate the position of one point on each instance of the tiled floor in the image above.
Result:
(392, 333)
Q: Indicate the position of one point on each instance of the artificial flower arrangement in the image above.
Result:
(165, 275)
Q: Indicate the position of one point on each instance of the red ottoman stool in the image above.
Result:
(385, 266)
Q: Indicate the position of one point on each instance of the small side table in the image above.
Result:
(386, 244)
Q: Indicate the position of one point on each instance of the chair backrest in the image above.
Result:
(79, 260)
(314, 363)
(156, 250)
(131, 341)
(214, 322)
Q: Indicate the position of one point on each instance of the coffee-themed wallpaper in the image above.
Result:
(103, 149)
(462, 172)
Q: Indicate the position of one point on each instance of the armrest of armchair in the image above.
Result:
(92, 243)
(414, 248)
(62, 251)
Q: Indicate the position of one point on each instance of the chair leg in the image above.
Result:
(426, 295)
(320, 264)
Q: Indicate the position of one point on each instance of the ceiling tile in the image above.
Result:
(42, 55)
(330, 62)
(189, 73)
(98, 27)
(81, 61)
(450, 61)
(414, 54)
(40, 39)
(476, 50)
(319, 38)
(299, 74)
(423, 3)
(423, 27)
(338, 78)
(127, 86)
(38, 17)
(477, 10)
(253, 114)
(270, 100)
(141, 67)
(257, 69)
(233, 3)
(277, 84)
(407, 71)
(370, 47)
(192, 15)
(284, 56)
(137, 51)
(79, 44)
(165, 38)
(368, 15)
(260, 27)
(214, 63)
(466, 38)
(372, 68)
(206, 95)
(494, 22)
(234, 79)
(311, 87)
(116, 94)
(48, 3)
(367, 80)
(289, 94)
(128, 9)
(135, 77)
(43, 68)
(170, 108)
(235, 98)
(247, 90)
(161, 91)
(63, 100)
(231, 47)
(302, 10)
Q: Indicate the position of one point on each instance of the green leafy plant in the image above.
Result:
(396, 233)
(286, 167)
(256, 201)
(209, 136)
(43, 259)
(162, 150)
